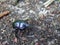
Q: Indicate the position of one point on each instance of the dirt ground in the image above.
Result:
(45, 22)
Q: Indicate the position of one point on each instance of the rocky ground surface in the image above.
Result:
(45, 22)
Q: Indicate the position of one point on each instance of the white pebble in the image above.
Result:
(31, 11)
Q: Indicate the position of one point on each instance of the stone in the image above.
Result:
(24, 39)
(31, 11)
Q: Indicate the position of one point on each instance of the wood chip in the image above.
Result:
(4, 13)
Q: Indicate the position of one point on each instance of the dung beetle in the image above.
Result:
(19, 25)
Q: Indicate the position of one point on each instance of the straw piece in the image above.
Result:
(47, 3)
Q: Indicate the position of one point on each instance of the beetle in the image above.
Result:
(20, 25)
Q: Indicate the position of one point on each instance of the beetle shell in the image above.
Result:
(20, 24)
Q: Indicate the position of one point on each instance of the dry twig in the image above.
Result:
(4, 13)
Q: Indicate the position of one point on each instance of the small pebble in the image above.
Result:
(5, 42)
(24, 39)
(15, 40)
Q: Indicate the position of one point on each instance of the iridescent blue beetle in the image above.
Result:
(20, 25)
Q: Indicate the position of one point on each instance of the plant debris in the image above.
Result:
(4, 13)
(47, 3)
